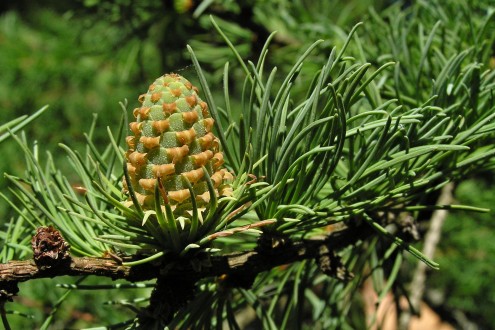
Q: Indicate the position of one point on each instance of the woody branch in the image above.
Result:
(250, 262)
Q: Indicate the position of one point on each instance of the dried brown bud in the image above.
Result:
(49, 247)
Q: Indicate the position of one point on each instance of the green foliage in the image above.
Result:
(54, 66)
(57, 307)
(11, 127)
(351, 131)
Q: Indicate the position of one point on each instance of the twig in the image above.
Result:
(20, 271)
(3, 314)
(252, 262)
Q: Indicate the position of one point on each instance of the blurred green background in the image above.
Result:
(84, 57)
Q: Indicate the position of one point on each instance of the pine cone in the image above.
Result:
(172, 141)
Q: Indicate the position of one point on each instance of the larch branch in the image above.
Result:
(251, 262)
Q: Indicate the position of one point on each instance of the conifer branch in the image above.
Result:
(233, 265)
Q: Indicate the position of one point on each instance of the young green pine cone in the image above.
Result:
(172, 140)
